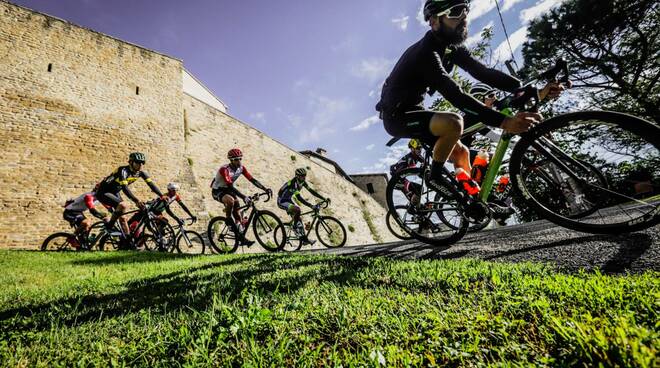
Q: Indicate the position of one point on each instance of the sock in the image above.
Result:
(436, 169)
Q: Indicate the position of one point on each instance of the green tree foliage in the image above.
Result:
(613, 47)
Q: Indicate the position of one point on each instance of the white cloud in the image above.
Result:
(518, 37)
(392, 155)
(326, 112)
(258, 117)
(295, 120)
(366, 123)
(373, 69)
(401, 23)
(538, 9)
(479, 8)
(508, 4)
(472, 40)
(370, 147)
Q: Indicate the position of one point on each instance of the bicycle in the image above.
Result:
(188, 241)
(329, 230)
(571, 169)
(265, 225)
(150, 232)
(62, 241)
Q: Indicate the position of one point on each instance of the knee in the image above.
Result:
(122, 207)
(455, 123)
(447, 125)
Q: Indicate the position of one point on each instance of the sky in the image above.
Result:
(307, 73)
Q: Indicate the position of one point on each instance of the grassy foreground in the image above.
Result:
(82, 309)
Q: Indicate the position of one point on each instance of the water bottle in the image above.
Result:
(479, 166)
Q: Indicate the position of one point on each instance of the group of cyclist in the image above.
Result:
(108, 192)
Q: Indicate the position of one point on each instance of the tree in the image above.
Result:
(613, 47)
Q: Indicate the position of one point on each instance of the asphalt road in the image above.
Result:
(539, 241)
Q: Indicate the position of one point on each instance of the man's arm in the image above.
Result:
(150, 183)
(252, 180)
(302, 200)
(180, 202)
(481, 72)
(315, 193)
(442, 82)
(89, 202)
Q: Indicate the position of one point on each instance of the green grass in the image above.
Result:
(117, 308)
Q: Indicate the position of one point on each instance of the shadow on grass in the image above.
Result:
(120, 257)
(187, 288)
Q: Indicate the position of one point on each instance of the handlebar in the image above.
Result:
(255, 197)
(561, 66)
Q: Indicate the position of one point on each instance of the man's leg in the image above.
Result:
(460, 157)
(447, 127)
(119, 211)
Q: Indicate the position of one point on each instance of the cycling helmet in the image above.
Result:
(414, 144)
(172, 186)
(301, 172)
(234, 153)
(480, 90)
(433, 7)
(137, 157)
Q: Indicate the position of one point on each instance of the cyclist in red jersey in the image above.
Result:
(224, 191)
(74, 212)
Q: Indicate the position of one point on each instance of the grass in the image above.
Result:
(142, 309)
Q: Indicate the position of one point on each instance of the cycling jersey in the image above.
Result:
(227, 176)
(291, 190)
(407, 161)
(424, 67)
(121, 178)
(162, 203)
(82, 203)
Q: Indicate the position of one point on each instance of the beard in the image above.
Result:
(454, 37)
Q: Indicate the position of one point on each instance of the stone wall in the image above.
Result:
(378, 183)
(67, 128)
(71, 112)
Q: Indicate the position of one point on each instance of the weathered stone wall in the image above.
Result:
(63, 130)
(378, 183)
(212, 133)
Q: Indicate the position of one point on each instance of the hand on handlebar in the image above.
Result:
(553, 89)
(316, 207)
(248, 200)
(521, 122)
(193, 219)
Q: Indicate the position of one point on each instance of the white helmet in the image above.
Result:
(172, 186)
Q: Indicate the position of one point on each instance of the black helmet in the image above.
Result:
(480, 90)
(301, 172)
(137, 157)
(433, 7)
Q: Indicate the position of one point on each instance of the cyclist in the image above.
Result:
(74, 213)
(157, 206)
(425, 67)
(411, 159)
(289, 194)
(224, 191)
(108, 190)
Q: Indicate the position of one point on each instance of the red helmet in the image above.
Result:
(234, 153)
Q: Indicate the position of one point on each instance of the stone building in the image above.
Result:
(373, 184)
(75, 102)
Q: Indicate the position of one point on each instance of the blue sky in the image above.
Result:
(307, 73)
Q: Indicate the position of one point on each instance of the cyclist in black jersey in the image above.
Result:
(289, 194)
(425, 67)
(411, 159)
(108, 190)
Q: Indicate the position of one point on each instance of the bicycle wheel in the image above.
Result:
(591, 171)
(266, 225)
(190, 242)
(438, 217)
(292, 242)
(451, 220)
(59, 242)
(393, 225)
(163, 235)
(222, 239)
(330, 232)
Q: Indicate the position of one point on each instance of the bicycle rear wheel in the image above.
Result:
(266, 225)
(393, 226)
(190, 242)
(330, 232)
(591, 171)
(291, 241)
(59, 242)
(222, 239)
(427, 220)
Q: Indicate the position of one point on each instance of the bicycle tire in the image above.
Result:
(643, 135)
(266, 222)
(290, 244)
(451, 195)
(221, 238)
(388, 221)
(194, 237)
(58, 242)
(337, 235)
(163, 234)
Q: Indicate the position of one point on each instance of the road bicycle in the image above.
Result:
(329, 230)
(86, 240)
(148, 231)
(590, 171)
(265, 225)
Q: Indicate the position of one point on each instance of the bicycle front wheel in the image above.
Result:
(221, 238)
(269, 231)
(190, 242)
(591, 171)
(330, 232)
(59, 242)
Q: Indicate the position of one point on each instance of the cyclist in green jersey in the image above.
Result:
(289, 194)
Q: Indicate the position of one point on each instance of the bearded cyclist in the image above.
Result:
(224, 191)
(426, 67)
(108, 190)
(289, 194)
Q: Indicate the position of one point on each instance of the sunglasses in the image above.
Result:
(139, 162)
(237, 159)
(456, 11)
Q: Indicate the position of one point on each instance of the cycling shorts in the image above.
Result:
(109, 200)
(412, 124)
(286, 205)
(221, 192)
(74, 218)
